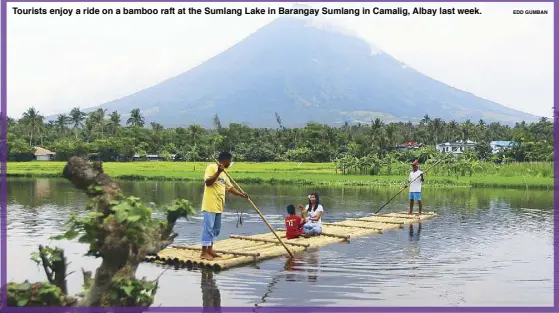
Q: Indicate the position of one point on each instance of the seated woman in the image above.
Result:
(313, 211)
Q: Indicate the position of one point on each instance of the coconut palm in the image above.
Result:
(114, 123)
(62, 120)
(136, 118)
(33, 122)
(77, 117)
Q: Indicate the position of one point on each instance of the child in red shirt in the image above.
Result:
(293, 223)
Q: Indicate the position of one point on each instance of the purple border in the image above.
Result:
(3, 202)
(3, 160)
(271, 309)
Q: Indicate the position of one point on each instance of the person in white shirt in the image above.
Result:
(312, 213)
(415, 180)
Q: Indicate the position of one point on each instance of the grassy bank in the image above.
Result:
(507, 176)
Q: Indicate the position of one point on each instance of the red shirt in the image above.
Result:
(293, 226)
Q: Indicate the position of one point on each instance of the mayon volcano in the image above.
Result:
(305, 72)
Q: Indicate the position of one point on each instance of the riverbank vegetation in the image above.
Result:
(78, 133)
(361, 154)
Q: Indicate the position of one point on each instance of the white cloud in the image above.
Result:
(58, 62)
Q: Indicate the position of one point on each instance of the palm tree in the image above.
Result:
(425, 120)
(100, 119)
(437, 126)
(195, 132)
(409, 127)
(77, 117)
(391, 135)
(136, 118)
(62, 120)
(453, 131)
(34, 123)
(156, 127)
(114, 122)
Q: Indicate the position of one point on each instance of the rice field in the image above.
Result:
(514, 175)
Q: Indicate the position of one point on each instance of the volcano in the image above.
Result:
(305, 72)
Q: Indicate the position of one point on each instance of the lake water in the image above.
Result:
(488, 247)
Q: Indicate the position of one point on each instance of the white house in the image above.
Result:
(455, 148)
(42, 154)
(500, 145)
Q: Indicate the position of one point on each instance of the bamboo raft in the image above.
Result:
(243, 250)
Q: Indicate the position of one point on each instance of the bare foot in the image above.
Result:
(306, 235)
(215, 255)
(206, 256)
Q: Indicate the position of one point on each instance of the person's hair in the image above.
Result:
(224, 156)
(291, 209)
(316, 203)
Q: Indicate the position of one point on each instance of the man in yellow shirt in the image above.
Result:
(216, 183)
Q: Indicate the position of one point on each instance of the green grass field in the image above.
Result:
(519, 175)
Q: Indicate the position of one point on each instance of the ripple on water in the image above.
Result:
(495, 252)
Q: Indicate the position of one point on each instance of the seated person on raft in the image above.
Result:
(313, 225)
(293, 223)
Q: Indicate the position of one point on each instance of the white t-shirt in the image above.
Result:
(416, 185)
(315, 213)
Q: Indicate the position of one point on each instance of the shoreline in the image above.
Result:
(319, 174)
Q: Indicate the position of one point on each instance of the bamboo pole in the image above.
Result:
(269, 240)
(257, 210)
(346, 237)
(252, 254)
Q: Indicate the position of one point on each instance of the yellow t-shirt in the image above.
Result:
(214, 195)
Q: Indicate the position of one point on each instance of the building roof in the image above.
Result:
(43, 151)
(457, 143)
(501, 143)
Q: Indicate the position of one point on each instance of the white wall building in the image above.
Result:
(455, 148)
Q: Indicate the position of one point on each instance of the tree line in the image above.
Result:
(116, 139)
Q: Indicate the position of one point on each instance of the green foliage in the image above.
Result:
(124, 222)
(133, 217)
(99, 132)
(179, 208)
(35, 294)
(483, 150)
(130, 292)
(18, 149)
(50, 254)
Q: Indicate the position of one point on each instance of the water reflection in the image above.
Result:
(293, 271)
(412, 250)
(313, 265)
(412, 236)
(484, 239)
(211, 297)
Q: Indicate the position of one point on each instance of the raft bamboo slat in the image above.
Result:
(351, 226)
(243, 250)
(269, 241)
(219, 251)
(381, 220)
(323, 233)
